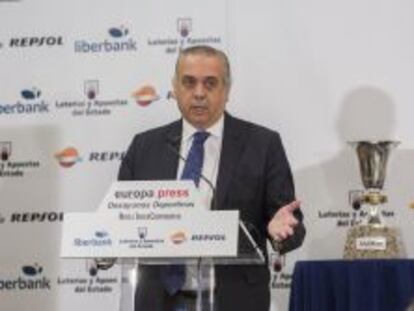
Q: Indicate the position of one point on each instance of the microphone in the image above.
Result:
(96, 264)
(172, 144)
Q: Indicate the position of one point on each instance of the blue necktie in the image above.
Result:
(194, 164)
(173, 276)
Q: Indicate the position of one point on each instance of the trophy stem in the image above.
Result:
(374, 217)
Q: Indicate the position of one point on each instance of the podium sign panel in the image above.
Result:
(156, 219)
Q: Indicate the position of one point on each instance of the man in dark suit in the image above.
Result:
(246, 164)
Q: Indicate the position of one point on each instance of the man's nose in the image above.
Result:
(199, 91)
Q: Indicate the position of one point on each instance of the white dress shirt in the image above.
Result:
(212, 151)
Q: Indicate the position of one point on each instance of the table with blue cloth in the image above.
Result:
(357, 285)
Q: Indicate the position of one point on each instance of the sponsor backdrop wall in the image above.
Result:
(78, 79)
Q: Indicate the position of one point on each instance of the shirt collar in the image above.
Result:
(216, 130)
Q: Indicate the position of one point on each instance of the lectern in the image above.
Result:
(142, 225)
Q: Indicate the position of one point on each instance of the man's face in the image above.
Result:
(200, 89)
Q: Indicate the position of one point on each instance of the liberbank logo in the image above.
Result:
(30, 103)
(100, 239)
(31, 278)
(118, 40)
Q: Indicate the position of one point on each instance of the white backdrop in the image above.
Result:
(320, 72)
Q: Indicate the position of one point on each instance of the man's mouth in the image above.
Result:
(199, 108)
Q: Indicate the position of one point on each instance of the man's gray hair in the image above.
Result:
(208, 51)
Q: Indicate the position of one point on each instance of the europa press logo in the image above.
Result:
(32, 278)
(145, 95)
(118, 41)
(68, 157)
(30, 103)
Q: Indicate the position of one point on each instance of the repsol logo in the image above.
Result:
(106, 156)
(24, 42)
(208, 237)
(31, 280)
(37, 217)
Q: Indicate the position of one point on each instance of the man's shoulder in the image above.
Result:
(161, 131)
(245, 126)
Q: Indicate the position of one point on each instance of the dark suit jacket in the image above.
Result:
(254, 177)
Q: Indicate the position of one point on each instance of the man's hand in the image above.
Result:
(282, 225)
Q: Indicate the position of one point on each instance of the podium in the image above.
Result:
(143, 226)
(204, 294)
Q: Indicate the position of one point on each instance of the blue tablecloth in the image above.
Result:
(360, 285)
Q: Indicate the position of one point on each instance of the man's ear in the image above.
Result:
(174, 86)
(227, 94)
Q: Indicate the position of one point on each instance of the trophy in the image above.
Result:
(372, 239)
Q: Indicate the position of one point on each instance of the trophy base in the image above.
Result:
(370, 242)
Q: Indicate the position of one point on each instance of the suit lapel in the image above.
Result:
(232, 146)
(170, 154)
